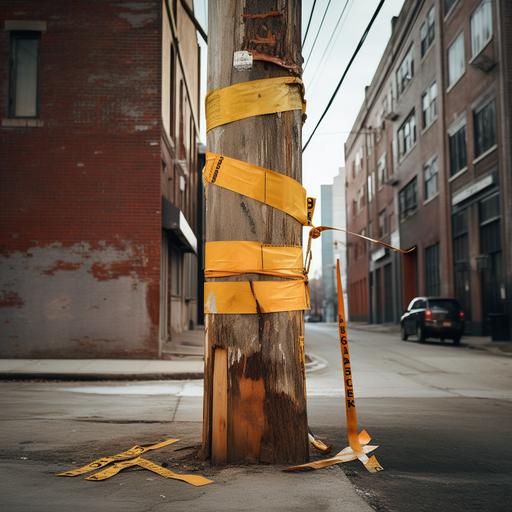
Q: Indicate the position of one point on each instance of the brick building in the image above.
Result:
(429, 164)
(99, 177)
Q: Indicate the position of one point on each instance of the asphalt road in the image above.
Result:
(442, 416)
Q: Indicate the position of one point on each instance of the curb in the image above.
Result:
(99, 376)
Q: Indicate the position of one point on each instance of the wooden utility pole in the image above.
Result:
(254, 402)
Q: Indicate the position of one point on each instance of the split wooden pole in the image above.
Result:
(254, 401)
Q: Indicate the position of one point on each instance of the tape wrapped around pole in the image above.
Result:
(254, 98)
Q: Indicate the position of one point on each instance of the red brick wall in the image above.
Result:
(80, 221)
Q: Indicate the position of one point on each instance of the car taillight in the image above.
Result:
(428, 314)
(461, 315)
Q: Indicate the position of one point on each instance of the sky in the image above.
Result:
(325, 153)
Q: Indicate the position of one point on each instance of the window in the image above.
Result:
(359, 161)
(456, 60)
(481, 27)
(371, 187)
(176, 272)
(405, 72)
(381, 171)
(427, 31)
(172, 93)
(360, 199)
(407, 135)
(484, 120)
(407, 199)
(430, 172)
(23, 100)
(457, 148)
(432, 279)
(383, 224)
(448, 4)
(429, 106)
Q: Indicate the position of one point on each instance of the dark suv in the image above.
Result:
(434, 317)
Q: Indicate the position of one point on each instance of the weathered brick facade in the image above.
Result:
(82, 182)
(457, 215)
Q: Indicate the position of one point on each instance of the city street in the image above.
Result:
(441, 415)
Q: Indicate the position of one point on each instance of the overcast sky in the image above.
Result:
(324, 154)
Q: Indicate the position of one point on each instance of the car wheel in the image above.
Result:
(420, 334)
(456, 340)
(403, 333)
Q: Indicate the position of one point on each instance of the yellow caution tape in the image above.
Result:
(311, 203)
(358, 443)
(251, 297)
(264, 185)
(318, 444)
(315, 232)
(113, 470)
(345, 455)
(135, 451)
(254, 98)
(231, 258)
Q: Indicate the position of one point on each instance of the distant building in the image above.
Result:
(99, 183)
(334, 244)
(328, 263)
(429, 164)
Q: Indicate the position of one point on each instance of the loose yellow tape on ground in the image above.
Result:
(233, 258)
(254, 98)
(264, 185)
(251, 297)
(135, 451)
(113, 470)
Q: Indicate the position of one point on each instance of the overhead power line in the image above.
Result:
(354, 55)
(317, 33)
(309, 22)
(193, 19)
(329, 43)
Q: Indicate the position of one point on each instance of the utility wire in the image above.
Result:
(317, 34)
(328, 46)
(361, 41)
(309, 22)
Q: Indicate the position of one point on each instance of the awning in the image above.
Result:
(174, 220)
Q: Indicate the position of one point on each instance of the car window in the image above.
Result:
(418, 304)
(447, 304)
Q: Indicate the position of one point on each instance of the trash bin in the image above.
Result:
(499, 327)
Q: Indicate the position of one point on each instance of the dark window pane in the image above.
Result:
(432, 279)
(457, 147)
(485, 128)
(25, 50)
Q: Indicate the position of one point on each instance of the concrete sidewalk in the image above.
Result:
(100, 369)
(502, 348)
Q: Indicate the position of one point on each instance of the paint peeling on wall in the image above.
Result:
(77, 301)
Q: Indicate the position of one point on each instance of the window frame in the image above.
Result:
(451, 135)
(432, 100)
(16, 35)
(407, 131)
(401, 81)
(429, 27)
(484, 4)
(476, 111)
(459, 36)
(433, 162)
(409, 210)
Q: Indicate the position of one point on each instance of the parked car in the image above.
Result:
(433, 317)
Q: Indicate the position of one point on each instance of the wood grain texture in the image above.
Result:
(220, 406)
(267, 419)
